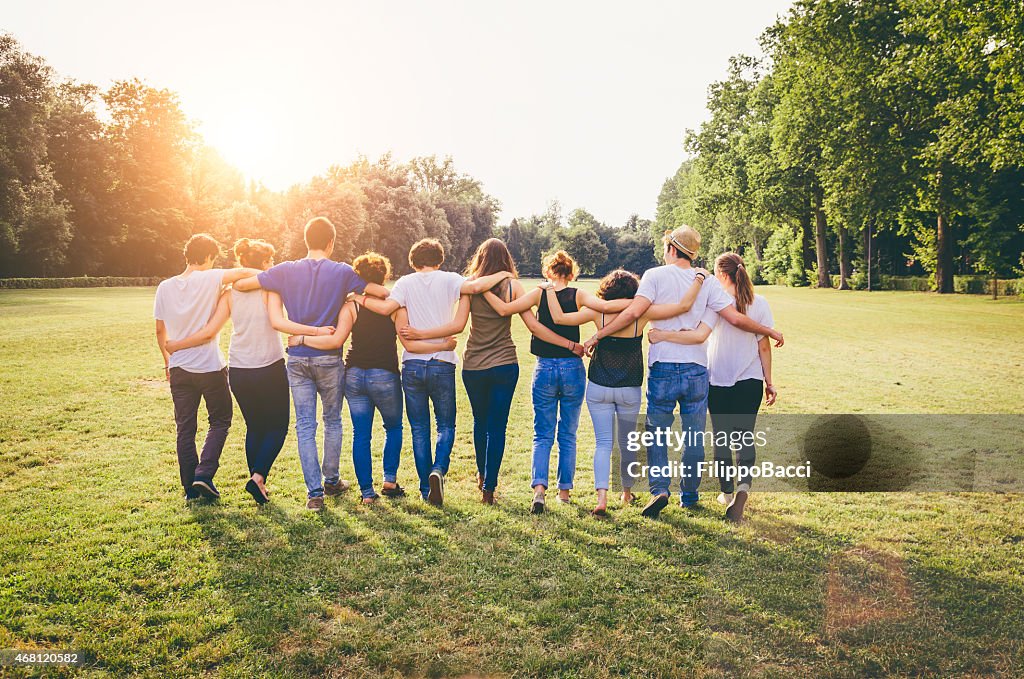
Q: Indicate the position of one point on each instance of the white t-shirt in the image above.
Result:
(430, 298)
(254, 342)
(185, 304)
(667, 284)
(732, 353)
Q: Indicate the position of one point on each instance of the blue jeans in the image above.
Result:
(558, 388)
(685, 384)
(611, 406)
(426, 382)
(365, 391)
(490, 395)
(309, 376)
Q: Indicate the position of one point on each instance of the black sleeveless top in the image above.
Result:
(566, 300)
(373, 342)
(618, 361)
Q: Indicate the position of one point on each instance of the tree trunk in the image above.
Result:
(807, 240)
(844, 259)
(995, 286)
(820, 243)
(944, 256)
(869, 228)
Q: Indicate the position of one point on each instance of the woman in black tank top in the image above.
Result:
(372, 378)
(613, 390)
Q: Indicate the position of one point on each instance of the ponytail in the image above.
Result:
(731, 264)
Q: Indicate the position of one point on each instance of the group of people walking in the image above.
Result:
(320, 304)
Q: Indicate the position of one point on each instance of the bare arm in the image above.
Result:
(336, 339)
(696, 336)
(659, 311)
(518, 305)
(573, 317)
(161, 340)
(637, 308)
(477, 286)
(207, 332)
(275, 311)
(543, 333)
(592, 301)
(232, 276)
(764, 350)
(376, 290)
(420, 346)
(744, 322)
(384, 307)
(453, 327)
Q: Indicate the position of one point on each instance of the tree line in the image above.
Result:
(112, 182)
(882, 137)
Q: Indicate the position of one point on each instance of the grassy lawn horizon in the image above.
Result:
(101, 554)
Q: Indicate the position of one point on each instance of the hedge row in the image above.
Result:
(79, 282)
(966, 285)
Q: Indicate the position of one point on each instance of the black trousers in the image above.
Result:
(187, 390)
(734, 411)
(262, 395)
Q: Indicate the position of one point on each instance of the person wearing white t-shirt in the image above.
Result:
(427, 299)
(182, 307)
(678, 373)
(739, 369)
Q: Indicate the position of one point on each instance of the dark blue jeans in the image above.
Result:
(685, 384)
(490, 395)
(559, 385)
(426, 383)
(366, 391)
(262, 396)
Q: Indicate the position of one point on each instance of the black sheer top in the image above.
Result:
(618, 361)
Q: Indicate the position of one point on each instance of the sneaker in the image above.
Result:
(725, 499)
(336, 488)
(253, 489)
(192, 494)
(654, 507)
(315, 504)
(206, 488)
(436, 494)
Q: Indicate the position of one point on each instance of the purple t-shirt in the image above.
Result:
(313, 292)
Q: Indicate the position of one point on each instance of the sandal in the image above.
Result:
(397, 491)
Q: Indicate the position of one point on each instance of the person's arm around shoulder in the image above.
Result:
(516, 305)
(232, 276)
(476, 286)
(660, 311)
(207, 332)
(585, 313)
(585, 298)
(636, 309)
(720, 302)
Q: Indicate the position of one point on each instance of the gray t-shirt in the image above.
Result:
(429, 297)
(667, 284)
(185, 304)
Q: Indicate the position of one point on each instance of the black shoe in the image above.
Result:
(436, 494)
(206, 488)
(256, 493)
(397, 491)
(654, 507)
(538, 505)
(192, 494)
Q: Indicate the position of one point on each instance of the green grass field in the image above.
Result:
(99, 552)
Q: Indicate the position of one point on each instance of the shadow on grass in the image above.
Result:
(403, 588)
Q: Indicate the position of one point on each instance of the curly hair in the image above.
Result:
(619, 284)
(373, 267)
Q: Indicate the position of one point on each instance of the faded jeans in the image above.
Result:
(308, 377)
(367, 390)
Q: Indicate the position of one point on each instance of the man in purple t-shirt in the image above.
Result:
(313, 290)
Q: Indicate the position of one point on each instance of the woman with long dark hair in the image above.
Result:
(616, 374)
(739, 371)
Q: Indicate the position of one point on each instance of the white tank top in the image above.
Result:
(254, 342)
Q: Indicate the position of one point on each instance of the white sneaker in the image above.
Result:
(725, 499)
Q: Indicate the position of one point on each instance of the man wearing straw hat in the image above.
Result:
(678, 372)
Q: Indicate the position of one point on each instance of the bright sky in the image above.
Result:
(583, 102)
